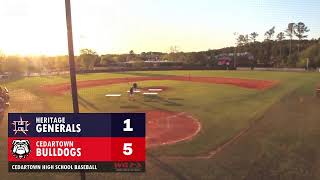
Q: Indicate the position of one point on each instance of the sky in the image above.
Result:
(38, 27)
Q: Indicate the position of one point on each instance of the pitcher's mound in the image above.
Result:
(165, 127)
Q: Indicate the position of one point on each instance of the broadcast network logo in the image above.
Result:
(127, 166)
(20, 126)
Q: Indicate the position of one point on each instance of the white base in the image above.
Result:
(150, 93)
(113, 95)
(154, 89)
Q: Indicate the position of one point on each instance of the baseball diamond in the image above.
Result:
(192, 122)
(159, 90)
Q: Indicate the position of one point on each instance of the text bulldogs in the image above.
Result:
(57, 148)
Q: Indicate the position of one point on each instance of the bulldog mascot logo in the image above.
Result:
(20, 148)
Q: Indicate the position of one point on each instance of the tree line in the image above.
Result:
(288, 48)
(26, 65)
(283, 49)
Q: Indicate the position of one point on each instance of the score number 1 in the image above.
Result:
(127, 147)
(127, 123)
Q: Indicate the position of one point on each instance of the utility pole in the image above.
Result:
(73, 79)
(234, 57)
(71, 59)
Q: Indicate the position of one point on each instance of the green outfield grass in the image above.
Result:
(223, 111)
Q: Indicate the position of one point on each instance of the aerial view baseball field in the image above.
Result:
(200, 124)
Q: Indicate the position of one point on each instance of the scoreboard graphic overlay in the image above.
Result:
(67, 142)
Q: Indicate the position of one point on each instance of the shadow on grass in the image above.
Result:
(162, 100)
(175, 99)
(149, 105)
(129, 107)
(167, 167)
(87, 104)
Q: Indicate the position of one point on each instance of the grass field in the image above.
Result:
(282, 143)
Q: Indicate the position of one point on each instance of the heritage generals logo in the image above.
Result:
(20, 148)
(20, 126)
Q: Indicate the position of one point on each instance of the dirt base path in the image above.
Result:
(244, 83)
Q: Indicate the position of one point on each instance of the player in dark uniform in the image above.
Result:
(135, 86)
(131, 93)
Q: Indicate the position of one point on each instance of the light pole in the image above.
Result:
(73, 79)
(235, 51)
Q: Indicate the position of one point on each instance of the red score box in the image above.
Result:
(91, 149)
(128, 149)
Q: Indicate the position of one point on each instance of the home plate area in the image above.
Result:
(165, 127)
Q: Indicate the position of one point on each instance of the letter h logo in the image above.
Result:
(20, 126)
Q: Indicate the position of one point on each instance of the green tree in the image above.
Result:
(49, 63)
(196, 58)
(290, 32)
(30, 66)
(131, 56)
(61, 63)
(242, 39)
(107, 60)
(268, 50)
(253, 36)
(299, 30)
(88, 58)
(269, 34)
(312, 54)
(15, 65)
(280, 37)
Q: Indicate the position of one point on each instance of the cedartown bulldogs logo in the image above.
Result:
(20, 148)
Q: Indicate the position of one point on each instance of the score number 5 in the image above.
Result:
(127, 147)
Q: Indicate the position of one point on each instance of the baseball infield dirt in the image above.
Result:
(165, 127)
(59, 89)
